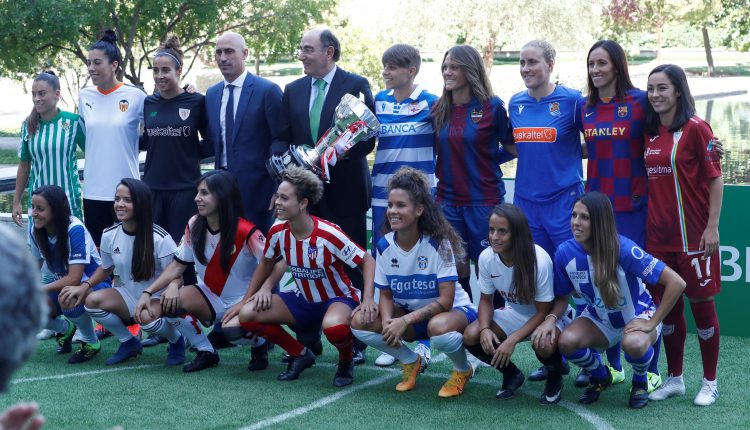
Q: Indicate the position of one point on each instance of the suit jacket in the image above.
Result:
(350, 188)
(249, 147)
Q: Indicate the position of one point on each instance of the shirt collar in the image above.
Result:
(239, 81)
(328, 78)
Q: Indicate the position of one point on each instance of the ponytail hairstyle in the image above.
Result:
(108, 43)
(170, 47)
(32, 121)
(60, 208)
(604, 244)
(523, 251)
(223, 185)
(432, 222)
(143, 263)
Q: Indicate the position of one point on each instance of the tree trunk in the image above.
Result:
(257, 64)
(659, 42)
(488, 55)
(707, 47)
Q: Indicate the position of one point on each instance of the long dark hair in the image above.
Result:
(32, 121)
(523, 251)
(685, 102)
(620, 64)
(223, 185)
(143, 262)
(60, 208)
(432, 222)
(604, 245)
(108, 43)
(470, 62)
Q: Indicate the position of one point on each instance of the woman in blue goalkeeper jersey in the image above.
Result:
(415, 272)
(607, 270)
(62, 244)
(49, 138)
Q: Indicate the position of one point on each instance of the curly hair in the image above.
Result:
(432, 222)
(305, 183)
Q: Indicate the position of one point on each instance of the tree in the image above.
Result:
(41, 33)
(735, 14)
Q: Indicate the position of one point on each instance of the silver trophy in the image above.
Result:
(353, 122)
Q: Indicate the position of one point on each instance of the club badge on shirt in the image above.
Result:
(184, 113)
(554, 109)
(124, 104)
(476, 115)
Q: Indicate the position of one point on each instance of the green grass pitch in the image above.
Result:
(143, 394)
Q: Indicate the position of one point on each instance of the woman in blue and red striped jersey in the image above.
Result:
(470, 124)
(316, 251)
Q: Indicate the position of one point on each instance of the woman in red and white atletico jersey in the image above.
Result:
(316, 252)
(685, 190)
(225, 249)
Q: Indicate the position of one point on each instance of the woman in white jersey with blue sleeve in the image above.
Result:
(138, 250)
(112, 113)
(607, 270)
(415, 272)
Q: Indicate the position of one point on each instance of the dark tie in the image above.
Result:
(317, 107)
(229, 117)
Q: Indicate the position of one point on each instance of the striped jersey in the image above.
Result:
(81, 250)
(117, 248)
(679, 166)
(494, 275)
(246, 252)
(574, 272)
(113, 121)
(547, 138)
(613, 132)
(316, 262)
(406, 139)
(469, 154)
(413, 277)
(51, 152)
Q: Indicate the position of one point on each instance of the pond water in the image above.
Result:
(729, 117)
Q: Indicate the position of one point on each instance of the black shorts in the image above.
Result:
(98, 215)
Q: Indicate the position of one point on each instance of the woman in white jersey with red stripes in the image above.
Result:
(112, 113)
(316, 251)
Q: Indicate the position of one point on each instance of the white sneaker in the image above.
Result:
(708, 393)
(385, 360)
(45, 334)
(423, 351)
(673, 386)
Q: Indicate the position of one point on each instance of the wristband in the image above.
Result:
(148, 292)
(483, 329)
(87, 283)
(552, 315)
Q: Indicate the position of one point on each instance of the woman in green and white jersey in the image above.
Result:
(47, 151)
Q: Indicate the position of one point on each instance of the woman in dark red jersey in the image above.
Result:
(685, 186)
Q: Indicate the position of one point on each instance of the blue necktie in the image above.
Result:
(229, 117)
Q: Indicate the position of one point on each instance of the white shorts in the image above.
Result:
(510, 320)
(130, 299)
(614, 335)
(218, 305)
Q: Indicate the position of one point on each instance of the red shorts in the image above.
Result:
(701, 274)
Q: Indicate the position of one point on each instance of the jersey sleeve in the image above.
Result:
(381, 280)
(485, 278)
(166, 248)
(184, 252)
(578, 113)
(562, 284)
(23, 146)
(640, 263)
(447, 268)
(349, 253)
(77, 245)
(703, 142)
(272, 247)
(35, 251)
(256, 243)
(80, 134)
(105, 250)
(545, 291)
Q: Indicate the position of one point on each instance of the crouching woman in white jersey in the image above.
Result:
(225, 249)
(137, 251)
(607, 270)
(522, 273)
(415, 272)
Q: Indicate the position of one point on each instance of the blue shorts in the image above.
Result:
(472, 224)
(632, 224)
(54, 296)
(420, 328)
(308, 317)
(550, 221)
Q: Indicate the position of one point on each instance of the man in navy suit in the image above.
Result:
(244, 131)
(346, 198)
(243, 112)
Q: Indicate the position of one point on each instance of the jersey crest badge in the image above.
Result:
(422, 262)
(124, 104)
(184, 113)
(554, 109)
(312, 252)
(622, 111)
(476, 116)
(66, 126)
